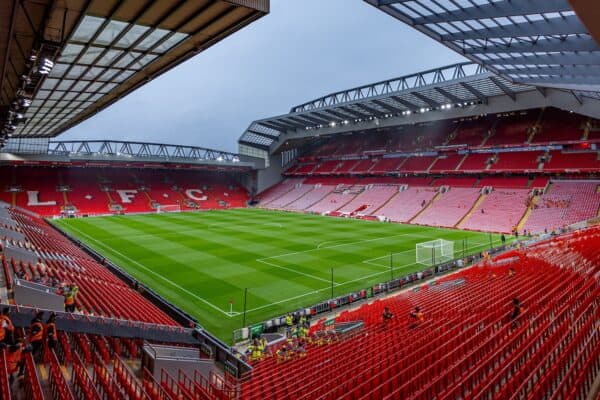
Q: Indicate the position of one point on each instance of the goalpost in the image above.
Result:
(162, 208)
(435, 252)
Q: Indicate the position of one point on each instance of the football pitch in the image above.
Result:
(203, 261)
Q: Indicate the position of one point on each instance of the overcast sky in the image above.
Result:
(302, 50)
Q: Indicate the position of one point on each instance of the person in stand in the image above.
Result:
(70, 294)
(9, 328)
(14, 359)
(387, 315)
(511, 272)
(256, 351)
(51, 334)
(283, 354)
(517, 311)
(417, 317)
(36, 335)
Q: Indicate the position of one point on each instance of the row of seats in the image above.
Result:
(100, 292)
(55, 191)
(510, 204)
(469, 344)
(521, 128)
(84, 366)
(518, 161)
(563, 204)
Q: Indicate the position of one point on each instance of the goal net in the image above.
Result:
(435, 252)
(163, 208)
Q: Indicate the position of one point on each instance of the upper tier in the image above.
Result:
(547, 140)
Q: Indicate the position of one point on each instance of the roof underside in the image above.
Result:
(102, 50)
(515, 46)
(537, 42)
(459, 85)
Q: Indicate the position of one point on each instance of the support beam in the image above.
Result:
(432, 103)
(324, 117)
(292, 122)
(584, 83)
(564, 58)
(387, 106)
(298, 123)
(265, 135)
(314, 120)
(559, 71)
(338, 114)
(405, 103)
(275, 126)
(505, 8)
(504, 88)
(542, 45)
(255, 145)
(373, 111)
(556, 26)
(352, 112)
(474, 92)
(452, 98)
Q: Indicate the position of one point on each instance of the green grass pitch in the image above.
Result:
(199, 261)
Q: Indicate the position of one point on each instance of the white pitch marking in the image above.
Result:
(262, 260)
(154, 273)
(479, 244)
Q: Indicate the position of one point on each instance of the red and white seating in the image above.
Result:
(564, 204)
(298, 191)
(370, 200)
(500, 211)
(313, 196)
(406, 204)
(448, 208)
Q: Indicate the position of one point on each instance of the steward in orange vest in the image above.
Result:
(7, 327)
(51, 331)
(14, 359)
(36, 334)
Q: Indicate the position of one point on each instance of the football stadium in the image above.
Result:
(431, 236)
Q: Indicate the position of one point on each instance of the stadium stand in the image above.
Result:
(101, 293)
(386, 165)
(513, 129)
(522, 161)
(475, 162)
(311, 197)
(470, 133)
(406, 204)
(448, 208)
(370, 200)
(76, 191)
(500, 211)
(446, 162)
(462, 349)
(559, 126)
(564, 203)
(569, 162)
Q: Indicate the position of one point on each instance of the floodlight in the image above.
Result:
(45, 66)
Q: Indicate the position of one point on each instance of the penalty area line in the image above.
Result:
(479, 244)
(262, 260)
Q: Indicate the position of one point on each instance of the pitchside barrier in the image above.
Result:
(272, 325)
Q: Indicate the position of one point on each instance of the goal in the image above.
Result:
(163, 208)
(435, 252)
